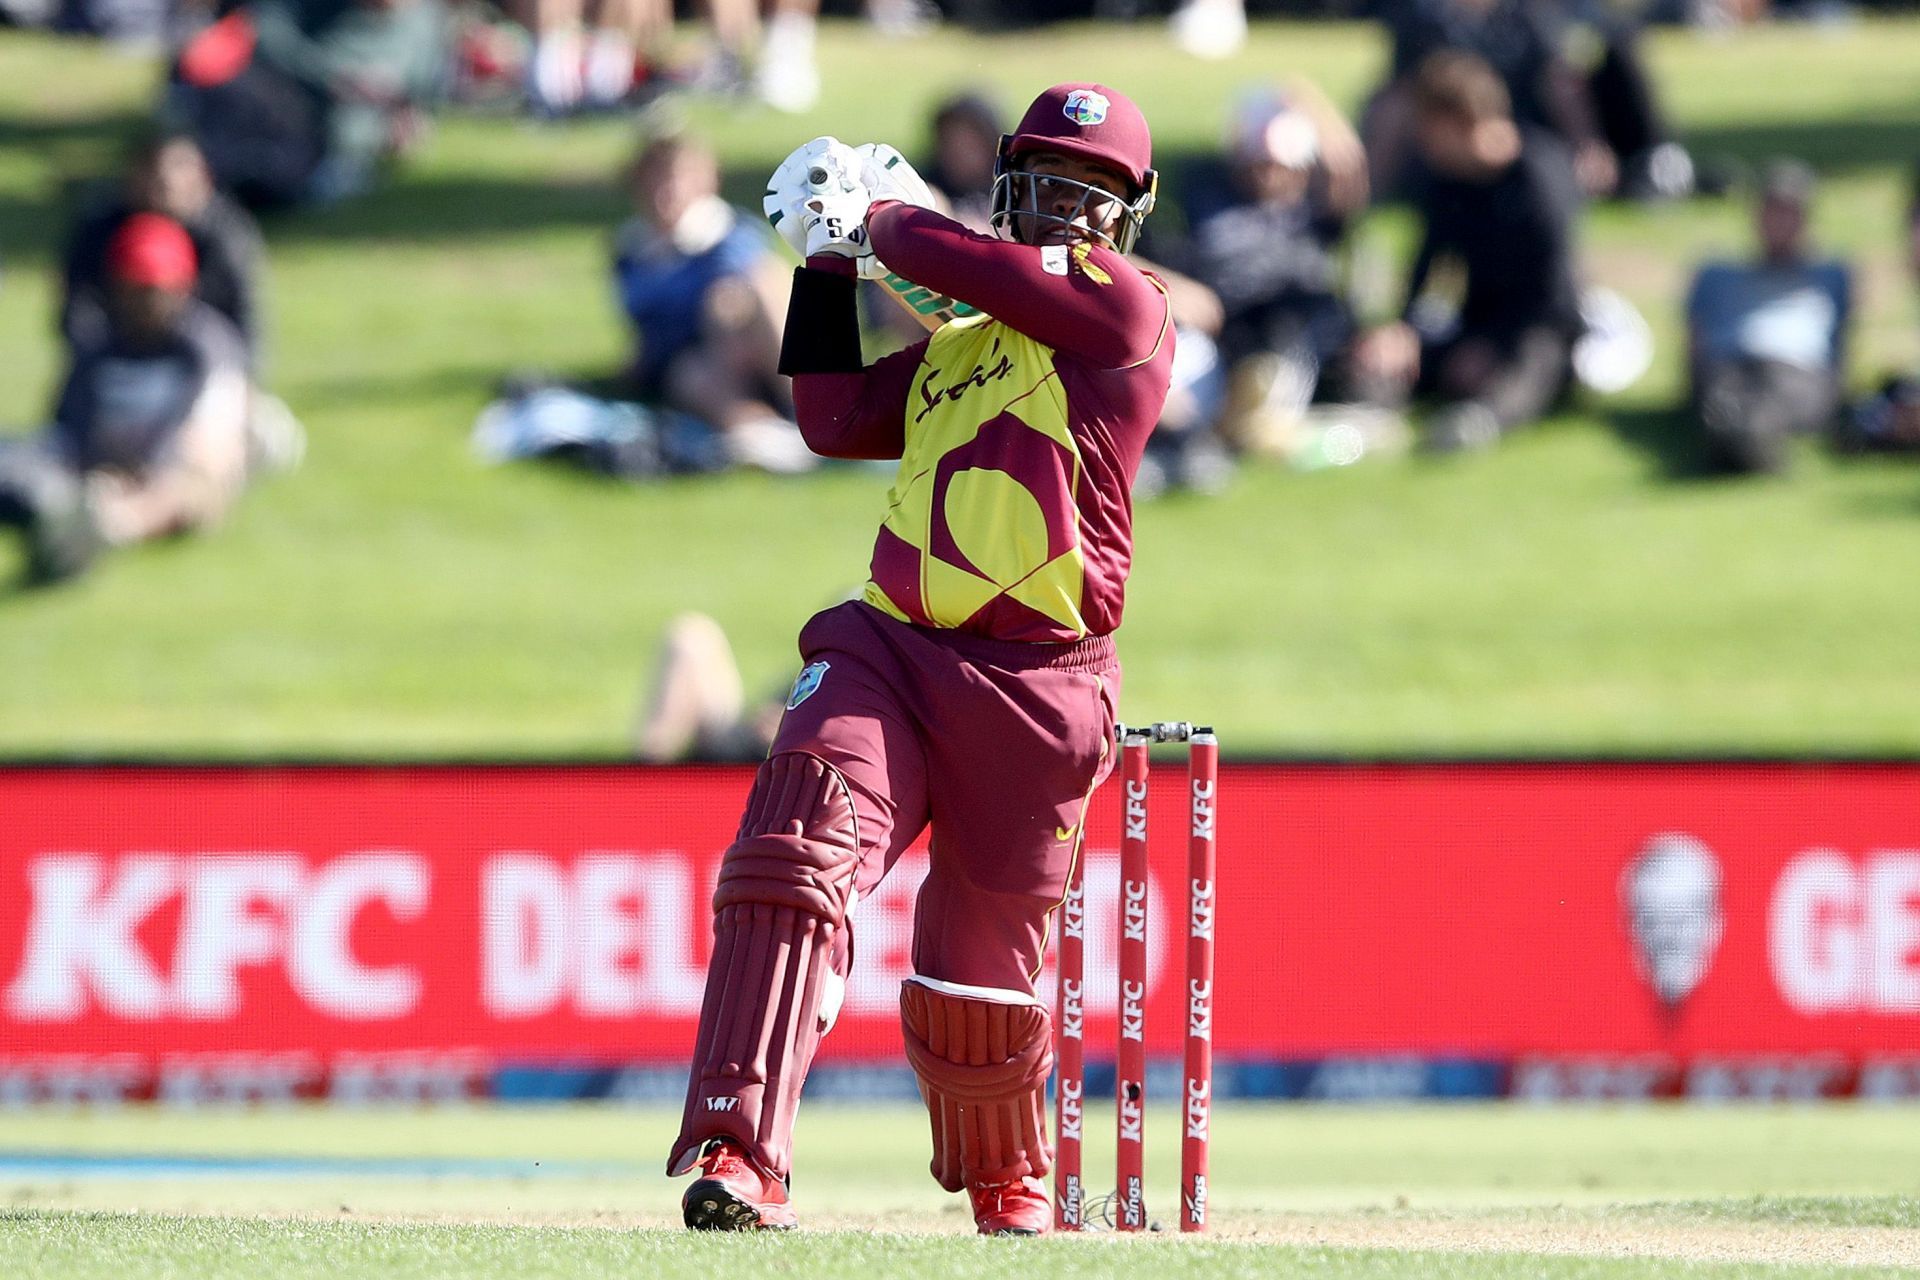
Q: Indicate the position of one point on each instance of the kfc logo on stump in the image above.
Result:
(1072, 1009)
(1070, 1109)
(1200, 924)
(1199, 1105)
(1203, 809)
(1136, 811)
(1135, 909)
(1200, 1009)
(1133, 1010)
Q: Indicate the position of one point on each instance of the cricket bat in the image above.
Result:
(931, 308)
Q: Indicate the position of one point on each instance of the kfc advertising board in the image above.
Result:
(1571, 930)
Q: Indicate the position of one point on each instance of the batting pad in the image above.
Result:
(780, 909)
(982, 1057)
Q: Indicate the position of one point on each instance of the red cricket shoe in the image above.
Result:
(732, 1194)
(1016, 1208)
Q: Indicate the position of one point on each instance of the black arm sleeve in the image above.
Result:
(823, 324)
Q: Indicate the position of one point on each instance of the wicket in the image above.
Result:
(1130, 1087)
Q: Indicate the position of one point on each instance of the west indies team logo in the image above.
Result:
(807, 684)
(1085, 107)
(1670, 893)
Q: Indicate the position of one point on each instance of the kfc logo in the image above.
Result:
(1670, 892)
(1199, 1104)
(1136, 811)
(239, 914)
(1203, 809)
(1200, 893)
(1200, 1009)
(1074, 910)
(1133, 1015)
(1072, 1009)
(1070, 1110)
(1135, 911)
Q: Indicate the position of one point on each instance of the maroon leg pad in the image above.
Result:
(983, 1069)
(778, 915)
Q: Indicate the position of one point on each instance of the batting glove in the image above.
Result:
(836, 223)
(825, 165)
(888, 176)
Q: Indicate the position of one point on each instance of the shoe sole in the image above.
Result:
(710, 1206)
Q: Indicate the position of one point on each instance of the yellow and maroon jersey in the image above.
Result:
(1018, 431)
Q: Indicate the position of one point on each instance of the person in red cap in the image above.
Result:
(149, 435)
(973, 686)
(167, 173)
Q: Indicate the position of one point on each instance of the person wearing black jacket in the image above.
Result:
(1500, 206)
(150, 435)
(167, 175)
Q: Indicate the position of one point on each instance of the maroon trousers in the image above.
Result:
(997, 744)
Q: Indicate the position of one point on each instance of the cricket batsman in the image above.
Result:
(974, 686)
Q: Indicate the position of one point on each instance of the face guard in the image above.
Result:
(1097, 214)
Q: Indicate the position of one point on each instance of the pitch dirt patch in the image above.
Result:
(1586, 1236)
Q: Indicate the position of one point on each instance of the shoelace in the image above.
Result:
(722, 1159)
(993, 1196)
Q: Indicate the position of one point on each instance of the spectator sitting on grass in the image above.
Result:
(1265, 232)
(167, 175)
(1767, 339)
(150, 436)
(303, 99)
(1499, 204)
(706, 296)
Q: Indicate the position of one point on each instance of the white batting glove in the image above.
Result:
(791, 186)
(889, 177)
(835, 222)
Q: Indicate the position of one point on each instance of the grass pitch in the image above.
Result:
(1471, 1191)
(1583, 590)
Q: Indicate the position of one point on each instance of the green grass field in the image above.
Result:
(1469, 1191)
(1584, 590)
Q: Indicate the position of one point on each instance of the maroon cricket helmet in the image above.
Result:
(1093, 122)
(1087, 120)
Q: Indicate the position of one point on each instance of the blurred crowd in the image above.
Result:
(1498, 123)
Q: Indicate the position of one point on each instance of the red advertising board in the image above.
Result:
(554, 913)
